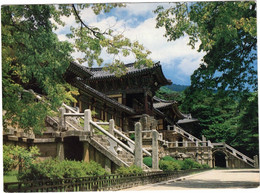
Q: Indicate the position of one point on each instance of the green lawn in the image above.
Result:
(11, 176)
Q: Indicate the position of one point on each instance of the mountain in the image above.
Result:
(177, 87)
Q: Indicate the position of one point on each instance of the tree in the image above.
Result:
(168, 94)
(226, 31)
(221, 88)
(33, 59)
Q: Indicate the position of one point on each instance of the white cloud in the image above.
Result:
(146, 33)
(189, 64)
(165, 51)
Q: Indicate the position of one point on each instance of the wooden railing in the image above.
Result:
(102, 183)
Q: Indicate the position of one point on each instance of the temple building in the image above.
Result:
(103, 122)
(125, 99)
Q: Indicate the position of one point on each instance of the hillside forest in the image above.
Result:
(221, 118)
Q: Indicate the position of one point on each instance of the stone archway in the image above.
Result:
(219, 159)
(73, 148)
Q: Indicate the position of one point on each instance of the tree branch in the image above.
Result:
(82, 23)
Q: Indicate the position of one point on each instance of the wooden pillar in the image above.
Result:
(124, 98)
(146, 102)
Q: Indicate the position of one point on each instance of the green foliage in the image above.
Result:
(190, 164)
(132, 136)
(225, 31)
(133, 169)
(168, 94)
(148, 161)
(168, 158)
(11, 176)
(205, 166)
(14, 156)
(34, 58)
(167, 165)
(56, 169)
(224, 118)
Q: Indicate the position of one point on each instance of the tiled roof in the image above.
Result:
(161, 105)
(79, 84)
(188, 120)
(100, 73)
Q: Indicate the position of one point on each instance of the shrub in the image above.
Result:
(56, 169)
(14, 156)
(190, 164)
(168, 158)
(148, 161)
(205, 166)
(129, 170)
(132, 136)
(167, 165)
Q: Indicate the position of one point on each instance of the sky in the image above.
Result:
(137, 22)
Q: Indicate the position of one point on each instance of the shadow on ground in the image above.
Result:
(242, 171)
(212, 184)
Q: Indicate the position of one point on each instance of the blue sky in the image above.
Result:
(137, 22)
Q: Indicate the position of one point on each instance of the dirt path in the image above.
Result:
(213, 179)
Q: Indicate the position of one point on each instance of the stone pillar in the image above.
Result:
(60, 150)
(227, 165)
(204, 140)
(62, 119)
(86, 151)
(108, 165)
(256, 161)
(87, 119)
(111, 126)
(155, 157)
(185, 143)
(144, 122)
(138, 145)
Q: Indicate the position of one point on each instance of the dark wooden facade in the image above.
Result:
(124, 99)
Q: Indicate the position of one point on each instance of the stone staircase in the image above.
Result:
(232, 151)
(215, 146)
(126, 157)
(113, 143)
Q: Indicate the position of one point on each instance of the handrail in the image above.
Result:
(111, 136)
(71, 125)
(69, 108)
(239, 153)
(131, 141)
(178, 128)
